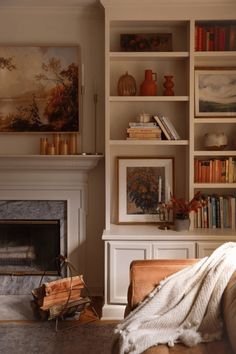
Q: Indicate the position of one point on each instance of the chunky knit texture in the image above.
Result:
(185, 307)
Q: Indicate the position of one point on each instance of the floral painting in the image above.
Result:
(39, 89)
(143, 183)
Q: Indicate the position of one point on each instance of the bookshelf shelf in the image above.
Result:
(148, 56)
(214, 186)
(211, 153)
(148, 98)
(150, 142)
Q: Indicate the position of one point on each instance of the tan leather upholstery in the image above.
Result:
(145, 275)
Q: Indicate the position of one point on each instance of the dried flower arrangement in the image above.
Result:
(182, 207)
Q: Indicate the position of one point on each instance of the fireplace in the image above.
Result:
(29, 246)
(44, 188)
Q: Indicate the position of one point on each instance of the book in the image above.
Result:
(142, 125)
(156, 130)
(170, 127)
(161, 125)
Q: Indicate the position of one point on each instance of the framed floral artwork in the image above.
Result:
(144, 183)
(215, 92)
(39, 89)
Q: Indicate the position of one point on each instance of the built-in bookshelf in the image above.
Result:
(182, 139)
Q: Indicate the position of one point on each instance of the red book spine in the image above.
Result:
(222, 39)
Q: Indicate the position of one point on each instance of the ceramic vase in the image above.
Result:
(168, 85)
(149, 85)
(182, 224)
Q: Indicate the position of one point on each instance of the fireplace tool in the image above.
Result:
(63, 298)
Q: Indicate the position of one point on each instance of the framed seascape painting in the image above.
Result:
(39, 89)
(215, 92)
(144, 183)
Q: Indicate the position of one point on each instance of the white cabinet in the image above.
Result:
(120, 255)
(205, 249)
(173, 250)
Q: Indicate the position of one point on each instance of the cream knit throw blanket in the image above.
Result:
(185, 307)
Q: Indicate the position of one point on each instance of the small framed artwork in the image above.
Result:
(39, 89)
(143, 184)
(146, 42)
(215, 92)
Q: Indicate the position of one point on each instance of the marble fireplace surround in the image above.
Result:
(51, 178)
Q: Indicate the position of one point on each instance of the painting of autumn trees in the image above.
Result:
(39, 89)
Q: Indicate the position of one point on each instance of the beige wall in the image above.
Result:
(84, 27)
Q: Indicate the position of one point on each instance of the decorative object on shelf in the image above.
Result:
(182, 209)
(163, 211)
(168, 85)
(43, 146)
(126, 85)
(50, 149)
(63, 147)
(146, 42)
(214, 92)
(144, 117)
(181, 224)
(72, 144)
(48, 100)
(215, 141)
(149, 85)
(143, 182)
(56, 142)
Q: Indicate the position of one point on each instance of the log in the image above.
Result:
(70, 309)
(59, 298)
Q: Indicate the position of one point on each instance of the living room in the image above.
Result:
(101, 237)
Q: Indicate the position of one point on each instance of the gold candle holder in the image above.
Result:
(63, 147)
(72, 144)
(43, 146)
(51, 149)
(56, 141)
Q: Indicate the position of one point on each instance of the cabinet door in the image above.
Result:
(205, 249)
(120, 255)
(174, 250)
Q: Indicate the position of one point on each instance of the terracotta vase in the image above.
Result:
(168, 85)
(149, 85)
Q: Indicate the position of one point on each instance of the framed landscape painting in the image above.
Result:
(215, 92)
(39, 89)
(143, 183)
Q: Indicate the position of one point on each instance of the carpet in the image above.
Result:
(35, 337)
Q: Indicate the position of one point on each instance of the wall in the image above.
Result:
(85, 27)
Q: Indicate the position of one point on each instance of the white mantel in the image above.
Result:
(51, 162)
(37, 177)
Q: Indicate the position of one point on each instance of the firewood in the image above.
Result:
(57, 286)
(69, 309)
(59, 298)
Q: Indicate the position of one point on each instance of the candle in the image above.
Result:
(82, 75)
(159, 188)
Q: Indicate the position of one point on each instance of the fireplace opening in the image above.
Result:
(29, 246)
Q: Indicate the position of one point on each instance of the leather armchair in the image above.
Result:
(146, 274)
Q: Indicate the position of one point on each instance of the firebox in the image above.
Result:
(29, 246)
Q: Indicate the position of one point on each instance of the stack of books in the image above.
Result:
(167, 127)
(143, 131)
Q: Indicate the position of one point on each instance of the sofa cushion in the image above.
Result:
(229, 310)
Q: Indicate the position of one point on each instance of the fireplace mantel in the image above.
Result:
(53, 178)
(49, 162)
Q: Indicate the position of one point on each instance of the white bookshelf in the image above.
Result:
(126, 242)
